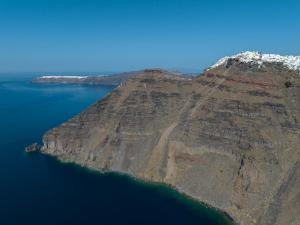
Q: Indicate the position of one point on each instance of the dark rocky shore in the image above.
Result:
(33, 148)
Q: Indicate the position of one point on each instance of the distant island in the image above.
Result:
(114, 79)
(229, 138)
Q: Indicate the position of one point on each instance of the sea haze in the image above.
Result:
(38, 190)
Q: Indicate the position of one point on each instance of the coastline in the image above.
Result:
(168, 189)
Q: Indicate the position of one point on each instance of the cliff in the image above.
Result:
(229, 138)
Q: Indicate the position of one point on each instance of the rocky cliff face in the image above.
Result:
(229, 138)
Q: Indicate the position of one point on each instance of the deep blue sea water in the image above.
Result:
(38, 190)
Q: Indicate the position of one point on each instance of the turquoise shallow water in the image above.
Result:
(38, 190)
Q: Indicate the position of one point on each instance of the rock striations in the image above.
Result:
(229, 138)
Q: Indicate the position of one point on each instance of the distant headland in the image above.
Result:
(113, 79)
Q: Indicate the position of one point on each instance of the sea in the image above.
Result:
(36, 189)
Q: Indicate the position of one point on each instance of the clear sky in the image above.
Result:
(118, 35)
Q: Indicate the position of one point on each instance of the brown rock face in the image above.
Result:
(229, 138)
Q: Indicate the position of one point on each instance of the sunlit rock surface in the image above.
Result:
(229, 138)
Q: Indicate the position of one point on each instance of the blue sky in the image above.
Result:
(119, 35)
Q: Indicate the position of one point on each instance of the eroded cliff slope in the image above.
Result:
(229, 138)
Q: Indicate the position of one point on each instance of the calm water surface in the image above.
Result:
(38, 190)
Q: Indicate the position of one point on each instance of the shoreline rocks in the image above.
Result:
(33, 148)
